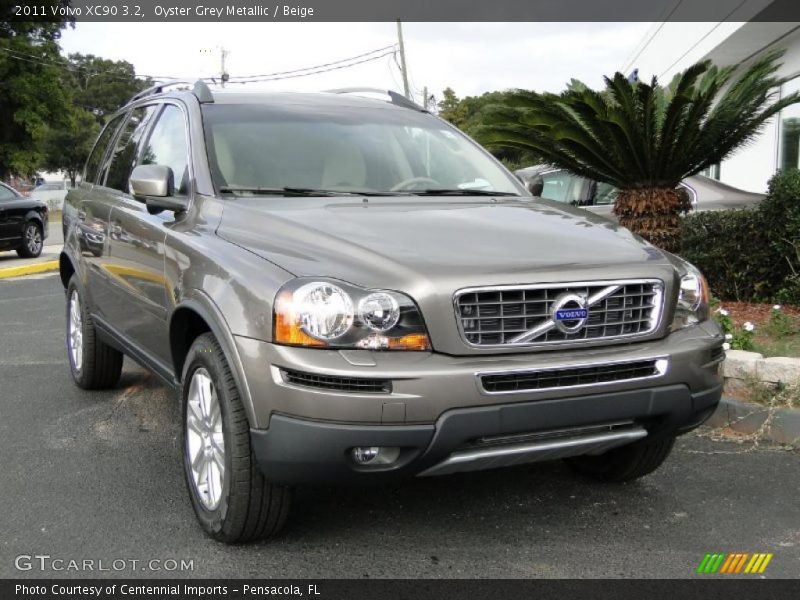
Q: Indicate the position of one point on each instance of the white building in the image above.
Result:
(670, 47)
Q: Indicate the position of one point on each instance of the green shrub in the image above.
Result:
(781, 212)
(751, 254)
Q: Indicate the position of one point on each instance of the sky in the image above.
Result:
(471, 58)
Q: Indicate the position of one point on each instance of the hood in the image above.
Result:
(383, 242)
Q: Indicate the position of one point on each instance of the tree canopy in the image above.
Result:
(31, 95)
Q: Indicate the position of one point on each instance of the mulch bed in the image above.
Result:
(756, 313)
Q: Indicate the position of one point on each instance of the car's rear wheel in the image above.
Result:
(231, 498)
(32, 241)
(94, 364)
(624, 463)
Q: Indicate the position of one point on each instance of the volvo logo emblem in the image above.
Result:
(570, 312)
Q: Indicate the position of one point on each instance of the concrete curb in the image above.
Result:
(784, 427)
(41, 267)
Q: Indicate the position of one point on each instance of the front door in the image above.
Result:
(137, 238)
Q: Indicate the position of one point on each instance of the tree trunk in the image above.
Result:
(654, 214)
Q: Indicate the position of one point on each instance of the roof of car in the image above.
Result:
(360, 97)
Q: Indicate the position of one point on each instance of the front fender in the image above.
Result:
(201, 303)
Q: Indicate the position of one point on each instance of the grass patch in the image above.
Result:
(788, 345)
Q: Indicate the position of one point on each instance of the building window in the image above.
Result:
(712, 171)
(790, 129)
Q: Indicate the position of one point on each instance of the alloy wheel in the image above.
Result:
(75, 339)
(33, 239)
(205, 443)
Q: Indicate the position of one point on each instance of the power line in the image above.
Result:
(629, 64)
(335, 62)
(698, 42)
(335, 68)
(65, 65)
(343, 63)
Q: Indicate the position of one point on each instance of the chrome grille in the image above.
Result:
(522, 315)
(564, 377)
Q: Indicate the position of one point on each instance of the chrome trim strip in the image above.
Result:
(655, 317)
(515, 454)
(662, 364)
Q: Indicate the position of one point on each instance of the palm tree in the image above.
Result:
(643, 139)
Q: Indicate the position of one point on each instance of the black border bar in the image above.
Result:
(175, 11)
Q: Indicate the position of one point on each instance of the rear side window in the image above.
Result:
(96, 157)
(167, 146)
(121, 161)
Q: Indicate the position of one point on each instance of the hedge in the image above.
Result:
(751, 254)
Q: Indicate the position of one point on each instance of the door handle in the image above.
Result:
(81, 215)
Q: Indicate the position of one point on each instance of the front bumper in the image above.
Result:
(296, 451)
(437, 406)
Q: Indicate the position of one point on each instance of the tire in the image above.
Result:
(232, 499)
(32, 241)
(624, 463)
(94, 364)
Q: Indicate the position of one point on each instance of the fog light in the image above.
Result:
(375, 455)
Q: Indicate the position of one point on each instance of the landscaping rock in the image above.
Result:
(779, 370)
(741, 364)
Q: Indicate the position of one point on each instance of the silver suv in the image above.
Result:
(347, 289)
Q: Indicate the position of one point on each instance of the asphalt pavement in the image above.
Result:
(97, 476)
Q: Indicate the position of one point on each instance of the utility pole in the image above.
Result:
(403, 59)
(223, 74)
(425, 97)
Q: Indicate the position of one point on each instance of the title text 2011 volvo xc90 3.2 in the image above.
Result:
(347, 289)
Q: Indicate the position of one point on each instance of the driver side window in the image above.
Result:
(167, 146)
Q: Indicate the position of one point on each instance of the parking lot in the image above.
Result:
(97, 476)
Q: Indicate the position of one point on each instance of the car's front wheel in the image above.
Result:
(94, 364)
(32, 241)
(231, 498)
(624, 463)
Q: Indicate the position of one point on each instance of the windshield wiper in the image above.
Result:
(281, 191)
(459, 192)
(299, 191)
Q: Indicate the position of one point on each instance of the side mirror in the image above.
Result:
(536, 186)
(155, 184)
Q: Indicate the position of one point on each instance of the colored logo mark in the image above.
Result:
(741, 562)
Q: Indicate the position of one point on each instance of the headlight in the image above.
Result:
(693, 299)
(333, 314)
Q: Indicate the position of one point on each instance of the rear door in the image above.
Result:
(137, 236)
(92, 209)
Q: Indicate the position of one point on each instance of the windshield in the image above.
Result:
(346, 149)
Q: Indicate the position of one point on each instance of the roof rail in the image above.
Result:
(199, 88)
(394, 97)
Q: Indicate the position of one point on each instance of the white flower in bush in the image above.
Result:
(723, 312)
(748, 326)
(729, 336)
(726, 346)
(776, 307)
